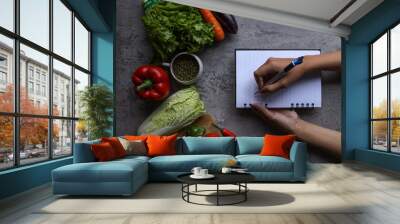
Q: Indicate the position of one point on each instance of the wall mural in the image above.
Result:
(184, 69)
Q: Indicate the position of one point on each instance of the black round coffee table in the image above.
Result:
(238, 179)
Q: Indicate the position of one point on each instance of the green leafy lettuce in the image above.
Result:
(178, 111)
(173, 28)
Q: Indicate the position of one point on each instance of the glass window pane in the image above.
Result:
(379, 97)
(379, 56)
(34, 96)
(6, 74)
(34, 21)
(62, 29)
(81, 45)
(6, 142)
(81, 131)
(395, 47)
(7, 14)
(62, 138)
(395, 135)
(379, 135)
(81, 81)
(33, 140)
(62, 89)
(395, 94)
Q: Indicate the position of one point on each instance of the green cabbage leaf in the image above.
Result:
(173, 28)
(178, 111)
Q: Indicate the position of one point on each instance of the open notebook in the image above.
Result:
(305, 93)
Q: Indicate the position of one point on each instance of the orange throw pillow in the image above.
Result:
(103, 152)
(161, 145)
(116, 145)
(277, 145)
(135, 137)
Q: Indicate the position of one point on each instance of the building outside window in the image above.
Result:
(44, 77)
(30, 72)
(3, 78)
(43, 90)
(30, 87)
(37, 75)
(38, 89)
(385, 92)
(3, 72)
(57, 127)
(3, 61)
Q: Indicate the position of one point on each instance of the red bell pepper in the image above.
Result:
(151, 82)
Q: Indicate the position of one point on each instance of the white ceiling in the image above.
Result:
(327, 16)
(320, 9)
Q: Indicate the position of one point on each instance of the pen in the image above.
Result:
(281, 74)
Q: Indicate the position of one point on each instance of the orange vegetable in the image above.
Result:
(208, 16)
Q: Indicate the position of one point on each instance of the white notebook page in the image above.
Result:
(305, 93)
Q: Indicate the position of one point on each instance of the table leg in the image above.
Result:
(195, 188)
(217, 194)
(188, 190)
(182, 188)
(245, 193)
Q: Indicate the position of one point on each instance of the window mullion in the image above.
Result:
(50, 81)
(389, 76)
(16, 85)
(73, 82)
(371, 140)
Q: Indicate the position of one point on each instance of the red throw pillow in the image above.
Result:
(161, 145)
(103, 152)
(116, 145)
(277, 145)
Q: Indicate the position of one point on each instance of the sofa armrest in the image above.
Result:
(298, 155)
(83, 152)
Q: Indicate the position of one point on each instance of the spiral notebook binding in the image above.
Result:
(302, 105)
(292, 105)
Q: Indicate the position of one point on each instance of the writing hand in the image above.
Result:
(270, 68)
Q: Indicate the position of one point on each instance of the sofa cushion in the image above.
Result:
(257, 163)
(277, 145)
(185, 163)
(103, 152)
(132, 158)
(249, 145)
(116, 145)
(112, 171)
(135, 147)
(208, 145)
(83, 152)
(161, 145)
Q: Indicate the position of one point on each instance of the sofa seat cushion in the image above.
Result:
(185, 163)
(133, 158)
(249, 145)
(113, 171)
(257, 163)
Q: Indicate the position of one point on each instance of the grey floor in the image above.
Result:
(378, 189)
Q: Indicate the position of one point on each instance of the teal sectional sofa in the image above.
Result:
(125, 176)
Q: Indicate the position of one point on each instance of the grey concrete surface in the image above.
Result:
(217, 85)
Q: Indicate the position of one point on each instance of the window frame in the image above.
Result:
(16, 115)
(388, 74)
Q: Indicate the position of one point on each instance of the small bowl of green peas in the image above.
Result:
(185, 68)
